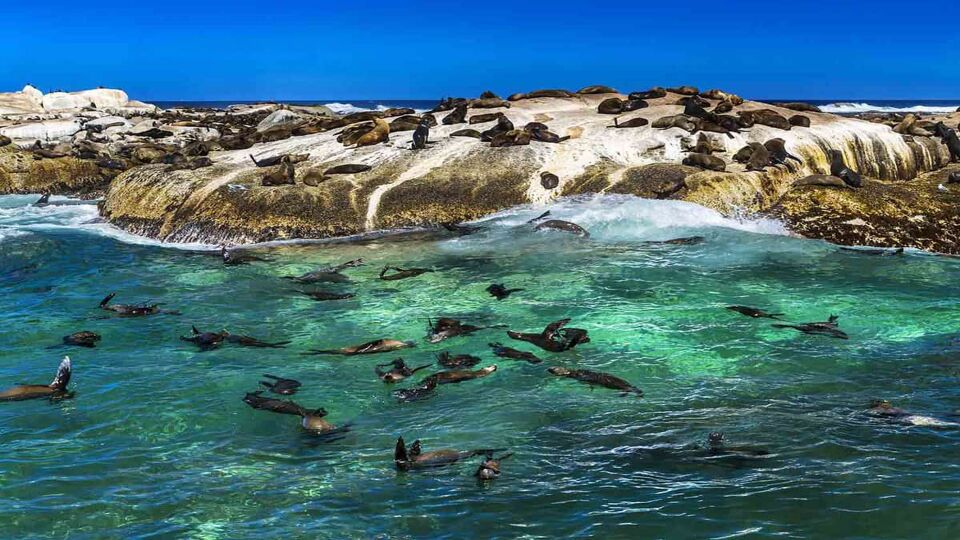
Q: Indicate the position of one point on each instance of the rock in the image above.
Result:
(282, 119)
(46, 130)
(58, 101)
(102, 123)
(104, 98)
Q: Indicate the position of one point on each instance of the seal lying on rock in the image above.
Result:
(754, 312)
(778, 152)
(371, 347)
(327, 274)
(839, 169)
(799, 120)
(554, 338)
(378, 134)
(596, 89)
(950, 138)
(416, 458)
(828, 328)
(560, 225)
(705, 161)
(824, 180)
(504, 125)
(56, 389)
(684, 90)
(681, 121)
(397, 372)
(507, 352)
(733, 99)
(278, 159)
(466, 133)
(800, 107)
(632, 123)
(548, 180)
(597, 378)
(458, 116)
(653, 93)
(766, 117)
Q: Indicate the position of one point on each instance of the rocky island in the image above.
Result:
(254, 173)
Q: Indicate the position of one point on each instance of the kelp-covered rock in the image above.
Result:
(22, 172)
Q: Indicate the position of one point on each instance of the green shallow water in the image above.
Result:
(156, 442)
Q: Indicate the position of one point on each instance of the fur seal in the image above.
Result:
(329, 274)
(457, 361)
(489, 468)
(484, 118)
(684, 90)
(554, 338)
(884, 409)
(132, 310)
(705, 161)
(397, 372)
(722, 107)
(778, 152)
(754, 155)
(824, 180)
(653, 93)
(504, 125)
(610, 106)
(547, 93)
(515, 137)
(349, 168)
(765, 117)
(498, 291)
(799, 120)
(548, 180)
(878, 252)
(278, 159)
(416, 458)
(828, 328)
(56, 389)
(631, 123)
(371, 347)
(596, 89)
(466, 133)
(950, 138)
(540, 132)
(82, 339)
(446, 328)
(799, 107)
(954, 178)
(44, 200)
(693, 100)
(681, 121)
(716, 447)
(458, 116)
(684, 241)
(284, 175)
(507, 352)
(754, 312)
(421, 135)
(280, 385)
(325, 296)
(232, 258)
(839, 169)
(311, 420)
(207, 341)
(560, 225)
(723, 96)
(706, 145)
(379, 134)
(597, 378)
(422, 391)
(457, 376)
(400, 273)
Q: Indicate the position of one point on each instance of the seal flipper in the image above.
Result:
(400, 452)
(538, 218)
(105, 301)
(62, 378)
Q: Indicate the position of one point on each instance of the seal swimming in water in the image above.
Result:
(132, 310)
(597, 378)
(371, 347)
(400, 273)
(458, 361)
(839, 169)
(329, 274)
(311, 420)
(877, 252)
(460, 229)
(82, 339)
(446, 328)
(231, 258)
(498, 291)
(324, 296)
(397, 372)
(754, 312)
(489, 468)
(884, 409)
(828, 328)
(717, 447)
(56, 389)
(560, 225)
(44, 200)
(421, 135)
(415, 458)
(684, 241)
(280, 385)
(554, 338)
(456, 376)
(420, 392)
(507, 352)
(211, 340)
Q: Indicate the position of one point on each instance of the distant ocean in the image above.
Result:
(837, 106)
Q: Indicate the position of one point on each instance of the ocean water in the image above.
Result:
(156, 442)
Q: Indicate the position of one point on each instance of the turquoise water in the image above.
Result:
(156, 442)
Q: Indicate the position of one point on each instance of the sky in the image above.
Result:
(427, 49)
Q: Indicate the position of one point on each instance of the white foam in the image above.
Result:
(851, 108)
(350, 108)
(18, 216)
(626, 217)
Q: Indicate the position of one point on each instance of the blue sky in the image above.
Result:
(429, 49)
